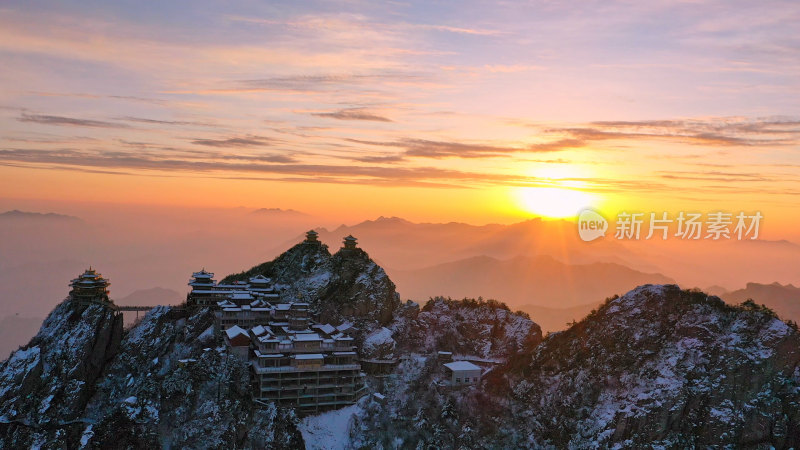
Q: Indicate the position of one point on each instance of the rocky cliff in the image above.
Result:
(165, 384)
(485, 329)
(347, 285)
(659, 367)
(45, 386)
(666, 367)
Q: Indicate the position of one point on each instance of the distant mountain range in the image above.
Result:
(400, 244)
(151, 297)
(522, 280)
(278, 212)
(783, 299)
(40, 217)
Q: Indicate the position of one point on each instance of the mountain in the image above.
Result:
(405, 245)
(151, 297)
(659, 367)
(166, 383)
(783, 299)
(521, 280)
(82, 381)
(17, 215)
(557, 319)
(46, 385)
(342, 286)
(279, 213)
(662, 367)
(483, 329)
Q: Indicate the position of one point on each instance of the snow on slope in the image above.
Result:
(330, 430)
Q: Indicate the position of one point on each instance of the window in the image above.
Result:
(458, 380)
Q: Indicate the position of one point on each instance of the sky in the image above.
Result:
(433, 111)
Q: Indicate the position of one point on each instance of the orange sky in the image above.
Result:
(429, 112)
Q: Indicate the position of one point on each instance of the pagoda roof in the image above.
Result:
(203, 274)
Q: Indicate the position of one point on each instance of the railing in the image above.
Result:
(324, 368)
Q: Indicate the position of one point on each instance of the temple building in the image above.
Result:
(294, 361)
(349, 243)
(312, 368)
(206, 292)
(90, 286)
(312, 237)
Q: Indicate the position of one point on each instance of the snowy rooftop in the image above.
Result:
(305, 337)
(309, 356)
(461, 365)
(234, 331)
(327, 328)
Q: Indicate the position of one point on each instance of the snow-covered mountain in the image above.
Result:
(667, 367)
(659, 366)
(83, 382)
(346, 285)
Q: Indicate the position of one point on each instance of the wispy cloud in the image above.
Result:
(423, 148)
(248, 141)
(68, 121)
(353, 114)
(723, 132)
(365, 174)
(163, 122)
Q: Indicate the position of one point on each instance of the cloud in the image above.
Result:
(377, 80)
(68, 121)
(243, 164)
(423, 148)
(249, 141)
(721, 132)
(378, 158)
(353, 114)
(161, 122)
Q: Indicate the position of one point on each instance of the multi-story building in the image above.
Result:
(89, 286)
(310, 368)
(294, 361)
(206, 292)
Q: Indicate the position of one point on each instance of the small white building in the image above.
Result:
(462, 373)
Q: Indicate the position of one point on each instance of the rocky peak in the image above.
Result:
(46, 385)
(347, 285)
(667, 366)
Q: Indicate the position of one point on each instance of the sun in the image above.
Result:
(555, 203)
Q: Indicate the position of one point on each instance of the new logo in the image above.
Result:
(591, 225)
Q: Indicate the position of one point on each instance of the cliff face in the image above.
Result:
(657, 368)
(469, 327)
(666, 367)
(171, 386)
(347, 285)
(419, 409)
(45, 386)
(165, 384)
